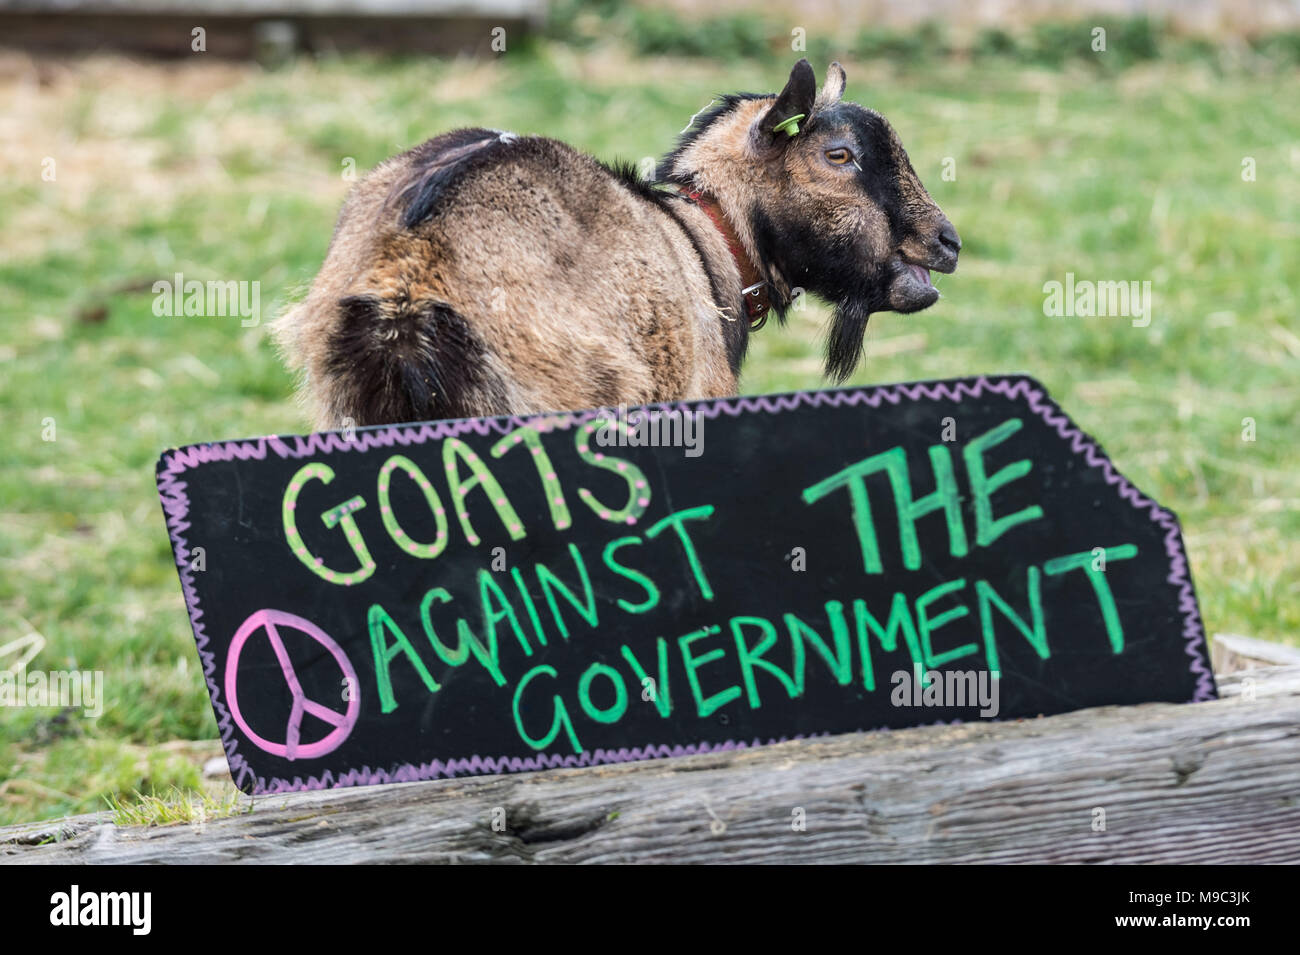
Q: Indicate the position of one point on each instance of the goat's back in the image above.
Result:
(482, 273)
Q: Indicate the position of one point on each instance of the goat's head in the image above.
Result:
(821, 191)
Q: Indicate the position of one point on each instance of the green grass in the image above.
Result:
(175, 806)
(226, 172)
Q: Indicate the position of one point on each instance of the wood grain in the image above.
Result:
(1233, 653)
(1206, 782)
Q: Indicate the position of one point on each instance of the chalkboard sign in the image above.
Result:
(502, 594)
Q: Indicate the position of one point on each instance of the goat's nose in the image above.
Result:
(949, 238)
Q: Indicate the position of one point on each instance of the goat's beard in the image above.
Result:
(875, 291)
(845, 337)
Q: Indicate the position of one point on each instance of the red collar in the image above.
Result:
(754, 286)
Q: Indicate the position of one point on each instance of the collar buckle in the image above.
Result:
(755, 304)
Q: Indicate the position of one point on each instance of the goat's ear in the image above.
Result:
(833, 88)
(794, 105)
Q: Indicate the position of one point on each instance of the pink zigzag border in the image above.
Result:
(176, 505)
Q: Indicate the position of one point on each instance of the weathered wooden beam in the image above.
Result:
(1205, 782)
(1233, 653)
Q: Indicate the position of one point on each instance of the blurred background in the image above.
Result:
(1112, 140)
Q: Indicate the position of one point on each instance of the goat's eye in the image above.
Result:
(839, 156)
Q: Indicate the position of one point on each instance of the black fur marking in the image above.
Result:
(845, 337)
(815, 261)
(439, 164)
(880, 169)
(630, 178)
(431, 150)
(408, 361)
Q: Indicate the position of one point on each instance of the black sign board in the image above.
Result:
(502, 594)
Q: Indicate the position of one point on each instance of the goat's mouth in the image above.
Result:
(910, 288)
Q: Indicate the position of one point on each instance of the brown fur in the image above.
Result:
(482, 273)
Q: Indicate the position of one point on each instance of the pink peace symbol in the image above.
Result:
(291, 748)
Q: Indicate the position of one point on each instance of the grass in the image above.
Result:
(174, 807)
(222, 171)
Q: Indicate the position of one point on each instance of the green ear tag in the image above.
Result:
(789, 126)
